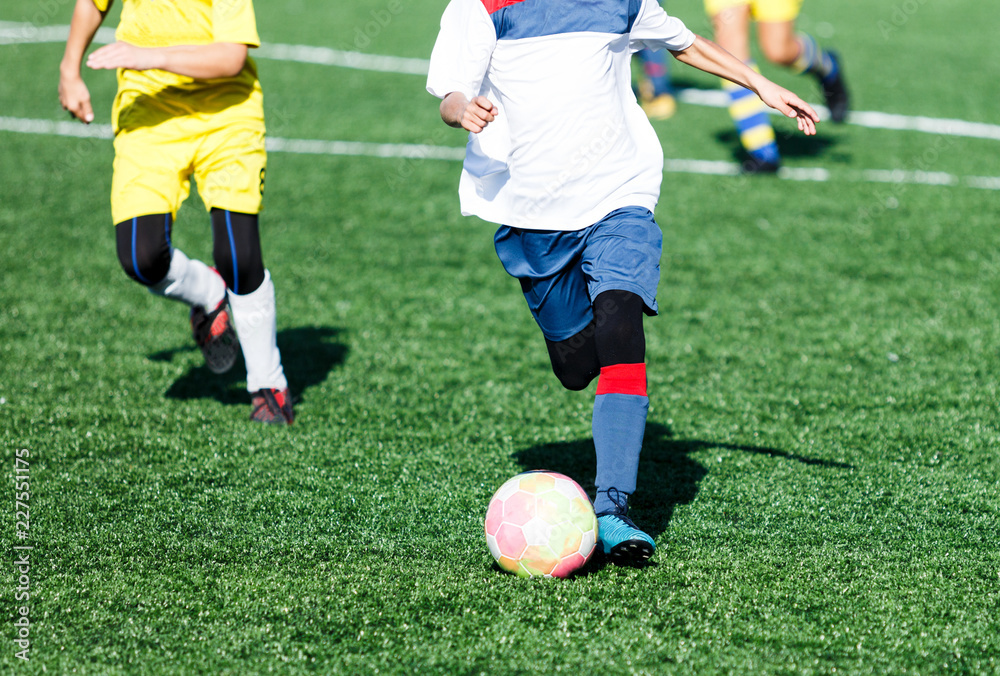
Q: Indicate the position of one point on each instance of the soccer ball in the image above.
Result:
(541, 524)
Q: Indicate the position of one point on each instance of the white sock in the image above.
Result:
(255, 319)
(191, 282)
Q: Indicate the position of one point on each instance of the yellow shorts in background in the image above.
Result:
(222, 149)
(768, 11)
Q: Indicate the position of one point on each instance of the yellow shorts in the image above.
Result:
(768, 11)
(161, 144)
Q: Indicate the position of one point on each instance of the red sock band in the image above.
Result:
(622, 379)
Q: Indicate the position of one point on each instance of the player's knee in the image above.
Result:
(573, 379)
(242, 278)
(781, 53)
(574, 361)
(148, 270)
(145, 260)
(236, 251)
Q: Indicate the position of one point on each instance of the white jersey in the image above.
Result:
(570, 144)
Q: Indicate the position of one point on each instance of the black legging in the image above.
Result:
(144, 249)
(614, 336)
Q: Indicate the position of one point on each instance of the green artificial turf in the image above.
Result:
(820, 467)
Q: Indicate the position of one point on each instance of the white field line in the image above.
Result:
(707, 167)
(74, 129)
(984, 182)
(716, 98)
(26, 33)
(417, 151)
(324, 56)
(20, 125)
(14, 33)
(410, 151)
(918, 177)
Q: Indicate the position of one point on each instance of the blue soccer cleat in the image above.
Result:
(619, 538)
(755, 165)
(835, 91)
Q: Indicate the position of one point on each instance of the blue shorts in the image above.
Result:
(562, 272)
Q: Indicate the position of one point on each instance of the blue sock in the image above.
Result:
(620, 409)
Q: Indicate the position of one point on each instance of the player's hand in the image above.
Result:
(75, 97)
(791, 105)
(479, 113)
(124, 55)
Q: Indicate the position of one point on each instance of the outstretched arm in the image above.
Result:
(203, 62)
(711, 58)
(73, 93)
(458, 111)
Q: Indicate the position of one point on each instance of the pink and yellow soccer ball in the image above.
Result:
(541, 524)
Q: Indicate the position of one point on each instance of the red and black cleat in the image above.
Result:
(213, 332)
(273, 407)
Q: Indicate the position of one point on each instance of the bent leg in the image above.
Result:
(144, 247)
(778, 42)
(574, 360)
(731, 29)
(801, 53)
(146, 255)
(547, 265)
(614, 336)
(237, 252)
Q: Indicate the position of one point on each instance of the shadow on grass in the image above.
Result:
(308, 354)
(667, 476)
(791, 141)
(790, 144)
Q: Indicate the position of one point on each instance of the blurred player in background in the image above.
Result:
(781, 45)
(656, 94)
(560, 153)
(189, 103)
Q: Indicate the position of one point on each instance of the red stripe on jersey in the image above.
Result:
(622, 379)
(495, 5)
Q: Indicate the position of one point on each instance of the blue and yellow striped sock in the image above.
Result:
(814, 59)
(752, 122)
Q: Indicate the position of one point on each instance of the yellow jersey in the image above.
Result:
(167, 23)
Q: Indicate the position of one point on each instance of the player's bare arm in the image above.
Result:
(203, 62)
(457, 111)
(709, 57)
(73, 93)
